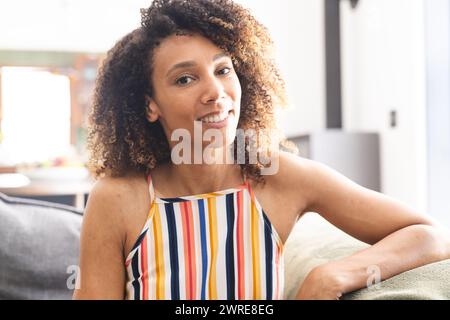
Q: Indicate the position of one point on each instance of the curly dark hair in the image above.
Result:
(121, 140)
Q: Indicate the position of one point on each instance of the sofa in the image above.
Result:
(315, 241)
(40, 249)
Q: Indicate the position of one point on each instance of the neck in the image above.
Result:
(205, 178)
(198, 179)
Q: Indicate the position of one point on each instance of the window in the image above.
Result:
(35, 123)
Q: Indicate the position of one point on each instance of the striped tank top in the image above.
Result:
(217, 245)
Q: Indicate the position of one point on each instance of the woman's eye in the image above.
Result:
(226, 68)
(179, 80)
(184, 80)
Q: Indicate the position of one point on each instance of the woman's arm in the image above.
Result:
(402, 238)
(405, 249)
(102, 270)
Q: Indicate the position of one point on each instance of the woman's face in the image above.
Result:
(194, 80)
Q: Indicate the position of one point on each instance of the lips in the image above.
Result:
(215, 117)
(221, 123)
(226, 106)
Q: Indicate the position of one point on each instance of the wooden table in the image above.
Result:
(78, 189)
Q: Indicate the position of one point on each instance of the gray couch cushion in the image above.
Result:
(39, 249)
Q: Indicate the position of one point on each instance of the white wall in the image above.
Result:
(297, 28)
(67, 25)
(438, 107)
(383, 68)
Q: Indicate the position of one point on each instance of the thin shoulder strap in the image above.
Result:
(245, 180)
(248, 186)
(150, 188)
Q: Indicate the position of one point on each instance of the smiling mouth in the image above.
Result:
(216, 118)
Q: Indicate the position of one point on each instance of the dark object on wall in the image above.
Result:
(393, 118)
(354, 3)
(333, 65)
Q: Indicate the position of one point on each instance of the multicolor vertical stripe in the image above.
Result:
(218, 245)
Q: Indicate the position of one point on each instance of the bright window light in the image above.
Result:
(36, 114)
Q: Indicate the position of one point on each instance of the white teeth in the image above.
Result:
(215, 118)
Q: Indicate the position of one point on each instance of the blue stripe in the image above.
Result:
(173, 247)
(269, 255)
(228, 245)
(174, 200)
(139, 240)
(135, 270)
(229, 248)
(201, 214)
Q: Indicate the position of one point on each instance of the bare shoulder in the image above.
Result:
(116, 193)
(312, 180)
(113, 202)
(307, 178)
(117, 189)
(103, 236)
(284, 195)
(290, 180)
(290, 167)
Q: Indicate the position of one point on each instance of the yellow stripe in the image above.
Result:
(213, 244)
(159, 255)
(207, 195)
(255, 253)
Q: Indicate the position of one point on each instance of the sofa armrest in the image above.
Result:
(39, 248)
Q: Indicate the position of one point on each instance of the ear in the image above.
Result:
(151, 110)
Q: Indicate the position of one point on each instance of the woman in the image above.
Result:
(161, 223)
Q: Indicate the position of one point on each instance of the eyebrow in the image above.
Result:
(186, 64)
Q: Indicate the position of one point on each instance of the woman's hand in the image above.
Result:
(322, 283)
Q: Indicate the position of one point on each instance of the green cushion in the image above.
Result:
(314, 241)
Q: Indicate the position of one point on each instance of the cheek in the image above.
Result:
(236, 94)
(237, 86)
(238, 104)
(178, 108)
(177, 116)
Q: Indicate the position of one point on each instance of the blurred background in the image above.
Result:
(368, 83)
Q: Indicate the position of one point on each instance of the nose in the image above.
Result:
(213, 90)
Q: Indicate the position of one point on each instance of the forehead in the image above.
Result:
(179, 48)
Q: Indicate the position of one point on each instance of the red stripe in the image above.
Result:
(190, 249)
(277, 266)
(191, 244)
(187, 250)
(188, 258)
